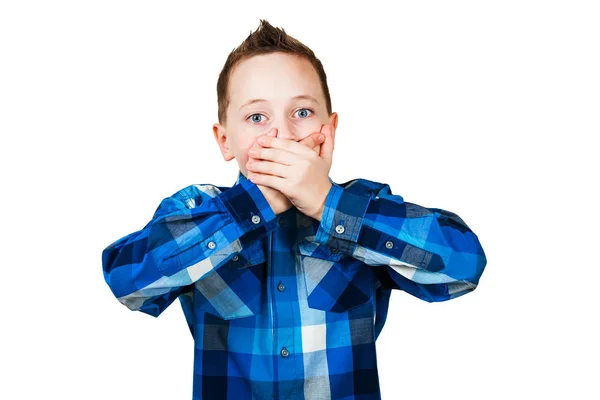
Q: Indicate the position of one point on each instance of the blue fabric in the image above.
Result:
(286, 306)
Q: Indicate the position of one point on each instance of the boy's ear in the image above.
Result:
(221, 137)
(333, 121)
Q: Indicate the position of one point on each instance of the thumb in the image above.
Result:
(327, 146)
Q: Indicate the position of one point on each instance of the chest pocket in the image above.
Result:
(235, 289)
(334, 281)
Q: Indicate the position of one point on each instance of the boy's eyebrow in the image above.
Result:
(301, 96)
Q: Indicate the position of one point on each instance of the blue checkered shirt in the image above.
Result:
(286, 306)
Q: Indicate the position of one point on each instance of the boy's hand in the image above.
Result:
(277, 200)
(293, 169)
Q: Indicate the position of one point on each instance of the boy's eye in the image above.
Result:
(303, 110)
(254, 120)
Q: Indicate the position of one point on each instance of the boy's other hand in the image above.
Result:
(277, 200)
(295, 171)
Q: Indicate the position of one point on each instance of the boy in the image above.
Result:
(285, 277)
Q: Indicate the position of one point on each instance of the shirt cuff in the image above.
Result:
(342, 218)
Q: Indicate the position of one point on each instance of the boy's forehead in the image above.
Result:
(305, 97)
(274, 78)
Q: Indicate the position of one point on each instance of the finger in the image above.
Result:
(269, 167)
(255, 156)
(279, 156)
(282, 156)
(271, 133)
(328, 146)
(271, 181)
(255, 145)
(284, 144)
(313, 140)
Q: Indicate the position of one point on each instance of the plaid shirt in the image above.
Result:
(286, 306)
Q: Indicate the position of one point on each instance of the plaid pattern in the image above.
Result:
(285, 306)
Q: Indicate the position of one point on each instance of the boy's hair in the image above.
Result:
(266, 39)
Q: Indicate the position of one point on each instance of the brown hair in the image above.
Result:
(266, 39)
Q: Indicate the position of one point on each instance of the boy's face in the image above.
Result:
(277, 78)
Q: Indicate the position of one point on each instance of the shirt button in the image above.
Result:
(255, 219)
(281, 221)
(280, 287)
(389, 244)
(284, 352)
(334, 250)
(211, 245)
(339, 229)
(236, 257)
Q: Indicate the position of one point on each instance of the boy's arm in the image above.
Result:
(192, 233)
(428, 252)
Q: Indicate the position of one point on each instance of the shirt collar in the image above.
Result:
(240, 178)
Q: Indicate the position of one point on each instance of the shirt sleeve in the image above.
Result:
(428, 252)
(192, 233)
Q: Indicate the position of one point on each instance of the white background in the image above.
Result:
(487, 109)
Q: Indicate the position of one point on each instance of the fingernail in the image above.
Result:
(320, 138)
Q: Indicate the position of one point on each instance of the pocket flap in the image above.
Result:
(334, 281)
(236, 289)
